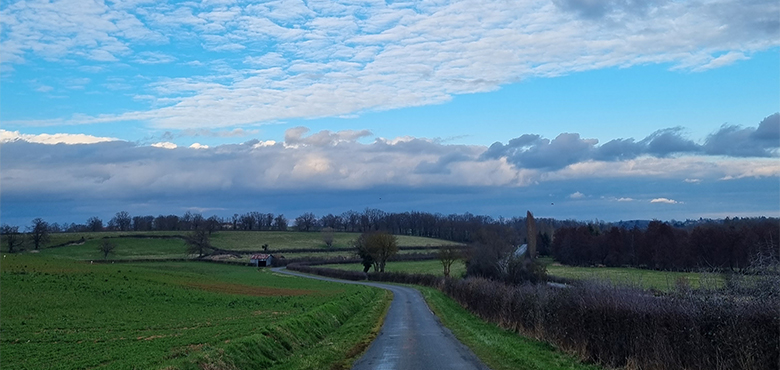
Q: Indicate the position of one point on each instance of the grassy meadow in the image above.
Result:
(130, 246)
(634, 277)
(281, 240)
(175, 315)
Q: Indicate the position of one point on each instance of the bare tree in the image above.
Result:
(95, 224)
(39, 232)
(212, 224)
(447, 256)
(106, 247)
(327, 236)
(12, 238)
(280, 223)
(122, 221)
(198, 242)
(376, 247)
(305, 221)
(362, 251)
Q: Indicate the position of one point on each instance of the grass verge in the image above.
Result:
(328, 337)
(498, 348)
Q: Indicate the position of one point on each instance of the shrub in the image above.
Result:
(735, 327)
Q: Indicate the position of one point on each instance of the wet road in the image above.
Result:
(411, 337)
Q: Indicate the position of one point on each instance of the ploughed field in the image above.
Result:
(66, 314)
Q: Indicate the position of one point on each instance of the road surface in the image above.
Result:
(412, 337)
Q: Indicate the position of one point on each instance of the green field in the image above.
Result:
(416, 267)
(126, 248)
(639, 278)
(184, 314)
(281, 240)
(153, 248)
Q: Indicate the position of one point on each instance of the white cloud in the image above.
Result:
(199, 146)
(625, 199)
(267, 60)
(261, 144)
(51, 139)
(665, 201)
(576, 195)
(290, 59)
(721, 61)
(165, 145)
(692, 181)
(151, 57)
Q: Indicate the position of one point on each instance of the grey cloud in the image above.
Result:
(535, 152)
(595, 9)
(531, 151)
(735, 141)
(294, 136)
(238, 132)
(668, 141)
(441, 165)
(768, 130)
(619, 149)
(118, 169)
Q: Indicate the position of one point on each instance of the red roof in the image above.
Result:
(260, 256)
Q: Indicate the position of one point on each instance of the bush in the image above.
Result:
(734, 327)
(621, 327)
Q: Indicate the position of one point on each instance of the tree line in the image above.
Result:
(729, 243)
(732, 244)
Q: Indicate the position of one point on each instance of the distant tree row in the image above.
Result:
(730, 244)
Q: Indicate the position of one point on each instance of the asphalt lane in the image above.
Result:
(412, 337)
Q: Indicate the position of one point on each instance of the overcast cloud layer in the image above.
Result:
(289, 59)
(94, 170)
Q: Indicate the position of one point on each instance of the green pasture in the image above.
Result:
(61, 238)
(634, 277)
(64, 314)
(130, 246)
(126, 248)
(434, 267)
(281, 240)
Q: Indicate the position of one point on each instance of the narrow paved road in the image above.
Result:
(411, 337)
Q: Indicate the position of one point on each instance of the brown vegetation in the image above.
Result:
(257, 291)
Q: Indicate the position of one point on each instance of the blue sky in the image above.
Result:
(608, 109)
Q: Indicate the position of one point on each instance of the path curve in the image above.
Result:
(412, 336)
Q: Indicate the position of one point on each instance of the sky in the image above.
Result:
(582, 109)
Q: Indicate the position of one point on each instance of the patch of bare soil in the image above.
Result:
(257, 291)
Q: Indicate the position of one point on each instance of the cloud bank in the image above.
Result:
(306, 161)
(533, 151)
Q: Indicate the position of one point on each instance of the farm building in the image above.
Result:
(261, 260)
